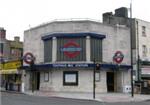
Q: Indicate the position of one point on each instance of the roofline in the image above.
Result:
(95, 35)
(141, 20)
(65, 20)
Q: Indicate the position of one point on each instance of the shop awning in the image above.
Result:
(10, 67)
(145, 75)
(10, 71)
(145, 70)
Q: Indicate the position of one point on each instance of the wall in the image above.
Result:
(143, 40)
(117, 38)
(55, 83)
(85, 81)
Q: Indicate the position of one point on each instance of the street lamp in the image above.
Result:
(132, 85)
(94, 79)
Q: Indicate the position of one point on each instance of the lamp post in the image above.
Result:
(94, 79)
(138, 55)
(33, 75)
(132, 85)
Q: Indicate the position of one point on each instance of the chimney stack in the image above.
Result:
(17, 38)
(121, 12)
(2, 33)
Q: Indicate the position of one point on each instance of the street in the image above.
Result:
(21, 99)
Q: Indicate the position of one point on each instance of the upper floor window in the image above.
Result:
(71, 49)
(143, 31)
(16, 53)
(144, 50)
(96, 49)
(1, 49)
(48, 50)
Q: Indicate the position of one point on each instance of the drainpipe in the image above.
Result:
(138, 56)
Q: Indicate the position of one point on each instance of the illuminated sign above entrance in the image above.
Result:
(71, 49)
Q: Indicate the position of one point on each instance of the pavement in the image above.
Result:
(102, 97)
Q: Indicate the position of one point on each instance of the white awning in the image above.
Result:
(145, 70)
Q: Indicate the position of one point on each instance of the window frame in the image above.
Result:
(70, 83)
(144, 50)
(143, 31)
(1, 49)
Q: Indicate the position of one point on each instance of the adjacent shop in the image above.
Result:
(145, 78)
(11, 75)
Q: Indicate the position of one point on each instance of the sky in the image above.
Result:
(16, 16)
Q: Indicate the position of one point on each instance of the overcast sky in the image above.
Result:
(17, 15)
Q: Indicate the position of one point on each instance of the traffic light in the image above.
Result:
(97, 66)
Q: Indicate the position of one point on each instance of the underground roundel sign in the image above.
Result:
(71, 49)
(118, 57)
(28, 58)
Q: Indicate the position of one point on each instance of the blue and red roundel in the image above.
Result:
(71, 49)
(118, 57)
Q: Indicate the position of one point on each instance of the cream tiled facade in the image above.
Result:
(115, 38)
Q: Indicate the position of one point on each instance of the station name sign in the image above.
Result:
(71, 65)
(81, 65)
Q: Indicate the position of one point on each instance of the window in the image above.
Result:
(71, 49)
(143, 31)
(16, 52)
(48, 50)
(96, 49)
(1, 49)
(145, 84)
(70, 78)
(46, 76)
(144, 50)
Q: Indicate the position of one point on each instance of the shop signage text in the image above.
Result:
(10, 65)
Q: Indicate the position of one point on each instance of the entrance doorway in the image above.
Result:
(110, 81)
(37, 80)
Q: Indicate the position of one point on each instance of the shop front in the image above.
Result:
(145, 77)
(10, 75)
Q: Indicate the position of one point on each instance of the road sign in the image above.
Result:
(118, 57)
(28, 58)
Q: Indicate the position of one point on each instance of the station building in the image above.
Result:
(65, 52)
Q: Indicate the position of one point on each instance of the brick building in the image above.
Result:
(11, 52)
